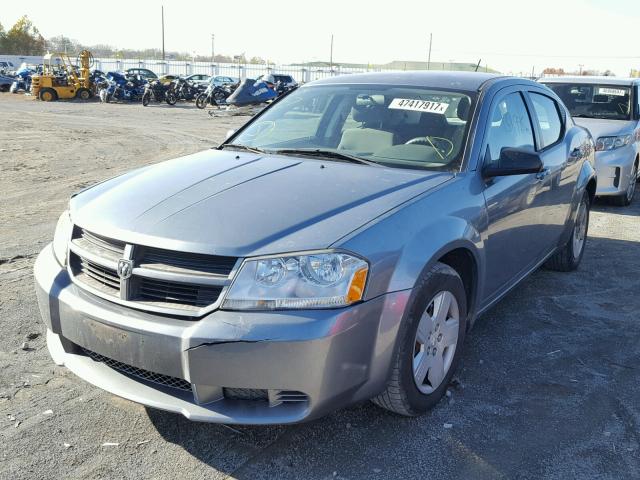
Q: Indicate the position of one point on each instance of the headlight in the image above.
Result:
(316, 280)
(61, 238)
(611, 143)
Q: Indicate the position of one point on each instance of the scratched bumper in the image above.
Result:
(333, 357)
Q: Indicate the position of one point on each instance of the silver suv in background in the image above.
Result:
(610, 109)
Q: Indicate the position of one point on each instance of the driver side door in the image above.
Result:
(513, 245)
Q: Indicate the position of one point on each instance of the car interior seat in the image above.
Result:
(369, 137)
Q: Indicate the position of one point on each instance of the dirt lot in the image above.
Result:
(549, 388)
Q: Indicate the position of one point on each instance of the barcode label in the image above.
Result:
(418, 105)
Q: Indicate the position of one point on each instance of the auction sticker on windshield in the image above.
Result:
(612, 91)
(418, 105)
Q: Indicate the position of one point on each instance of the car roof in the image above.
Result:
(592, 79)
(435, 79)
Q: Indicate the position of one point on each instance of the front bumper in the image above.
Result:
(613, 168)
(323, 359)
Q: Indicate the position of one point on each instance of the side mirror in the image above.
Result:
(229, 134)
(513, 161)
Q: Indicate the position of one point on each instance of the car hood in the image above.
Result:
(606, 128)
(242, 204)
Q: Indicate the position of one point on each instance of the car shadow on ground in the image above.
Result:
(605, 205)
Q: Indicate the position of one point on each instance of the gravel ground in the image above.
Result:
(549, 386)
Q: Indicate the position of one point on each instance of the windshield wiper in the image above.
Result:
(329, 154)
(245, 148)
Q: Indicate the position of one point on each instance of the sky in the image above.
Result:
(510, 36)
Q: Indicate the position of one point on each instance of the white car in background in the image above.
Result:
(198, 79)
(609, 108)
(220, 80)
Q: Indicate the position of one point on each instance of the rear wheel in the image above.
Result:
(429, 344)
(568, 258)
(83, 94)
(48, 95)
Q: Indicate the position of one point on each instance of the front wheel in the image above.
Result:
(569, 256)
(146, 98)
(172, 98)
(429, 344)
(201, 100)
(83, 94)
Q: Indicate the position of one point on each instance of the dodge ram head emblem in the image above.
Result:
(125, 268)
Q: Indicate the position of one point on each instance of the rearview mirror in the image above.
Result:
(513, 161)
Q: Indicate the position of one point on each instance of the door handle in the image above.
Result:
(542, 174)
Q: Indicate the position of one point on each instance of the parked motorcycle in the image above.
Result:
(22, 80)
(181, 89)
(155, 91)
(128, 88)
(214, 95)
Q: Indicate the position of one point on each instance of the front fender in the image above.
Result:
(402, 245)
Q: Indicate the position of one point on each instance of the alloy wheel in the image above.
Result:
(631, 189)
(435, 342)
(580, 229)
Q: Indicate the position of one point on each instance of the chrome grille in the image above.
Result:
(97, 276)
(101, 246)
(157, 258)
(152, 290)
(180, 283)
(166, 380)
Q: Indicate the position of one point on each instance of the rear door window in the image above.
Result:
(548, 118)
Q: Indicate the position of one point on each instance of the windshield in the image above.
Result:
(405, 127)
(610, 102)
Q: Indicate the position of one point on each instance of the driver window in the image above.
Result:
(510, 127)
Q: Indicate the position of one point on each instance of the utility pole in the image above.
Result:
(429, 56)
(331, 56)
(213, 55)
(581, 65)
(163, 33)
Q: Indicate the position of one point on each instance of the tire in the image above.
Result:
(568, 258)
(404, 394)
(146, 98)
(626, 198)
(201, 101)
(171, 98)
(83, 94)
(48, 95)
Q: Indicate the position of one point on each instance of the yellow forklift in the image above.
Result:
(61, 79)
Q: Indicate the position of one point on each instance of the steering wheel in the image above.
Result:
(442, 146)
(624, 109)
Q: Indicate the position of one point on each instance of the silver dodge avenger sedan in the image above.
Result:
(337, 248)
